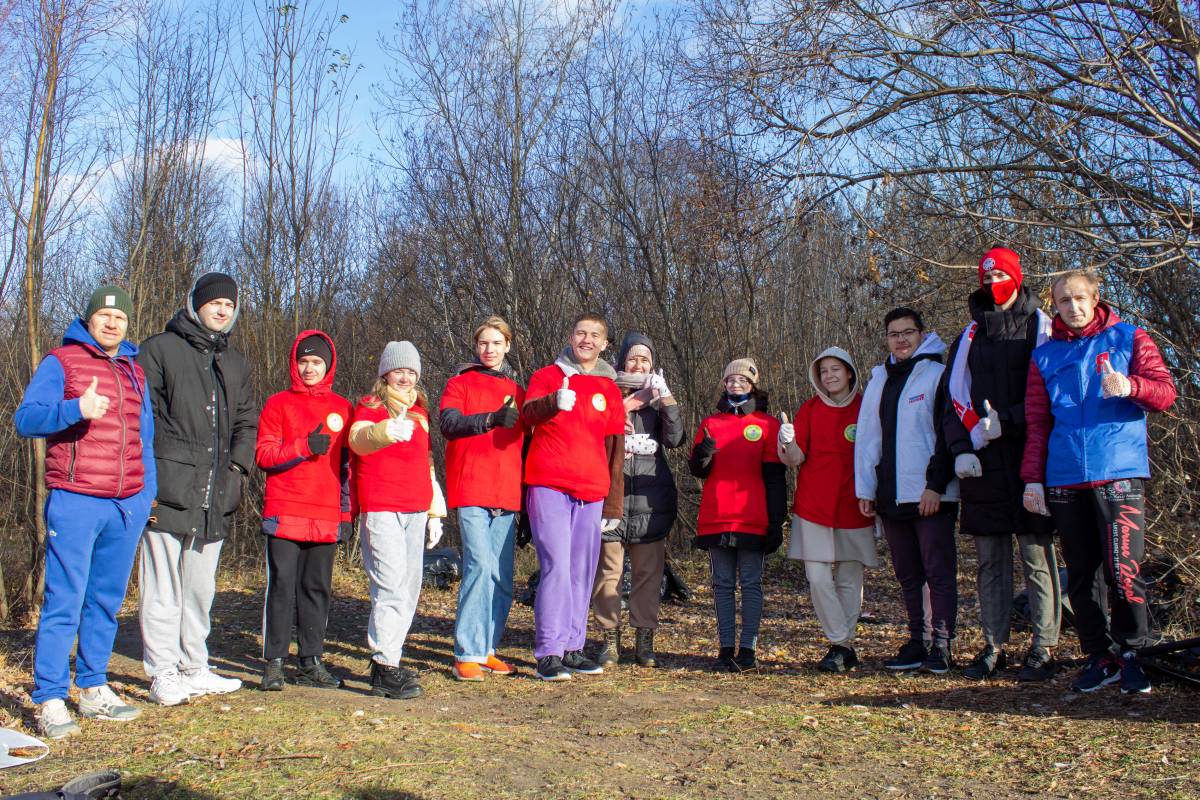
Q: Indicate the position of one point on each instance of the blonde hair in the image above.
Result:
(1086, 275)
(497, 323)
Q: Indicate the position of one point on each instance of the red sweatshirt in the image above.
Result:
(306, 495)
(568, 451)
(734, 497)
(825, 481)
(397, 477)
(484, 469)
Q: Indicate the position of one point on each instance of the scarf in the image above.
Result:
(567, 363)
(959, 382)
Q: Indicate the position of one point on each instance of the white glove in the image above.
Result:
(433, 532)
(564, 398)
(641, 444)
(787, 431)
(658, 383)
(966, 465)
(400, 429)
(989, 423)
(1034, 499)
(93, 405)
(607, 525)
(1114, 384)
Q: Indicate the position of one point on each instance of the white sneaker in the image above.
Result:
(103, 703)
(54, 720)
(168, 689)
(205, 681)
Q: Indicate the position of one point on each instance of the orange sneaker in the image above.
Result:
(496, 666)
(468, 671)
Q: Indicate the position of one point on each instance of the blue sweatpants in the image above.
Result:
(90, 545)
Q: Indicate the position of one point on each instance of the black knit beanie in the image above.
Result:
(214, 286)
(315, 345)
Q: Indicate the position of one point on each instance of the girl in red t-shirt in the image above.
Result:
(400, 508)
(743, 505)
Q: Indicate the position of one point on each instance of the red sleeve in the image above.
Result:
(616, 421)
(1038, 422)
(1152, 386)
(270, 449)
(801, 422)
(453, 394)
(770, 441)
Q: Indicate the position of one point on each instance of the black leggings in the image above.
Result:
(1104, 527)
(299, 575)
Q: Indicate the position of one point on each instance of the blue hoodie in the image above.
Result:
(43, 411)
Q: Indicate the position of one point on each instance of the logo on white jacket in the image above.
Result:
(916, 398)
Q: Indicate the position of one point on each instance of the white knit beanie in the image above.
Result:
(397, 355)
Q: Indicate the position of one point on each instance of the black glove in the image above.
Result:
(774, 537)
(524, 532)
(505, 416)
(318, 443)
(345, 531)
(700, 461)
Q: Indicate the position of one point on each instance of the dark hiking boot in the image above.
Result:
(988, 664)
(911, 656)
(610, 653)
(938, 662)
(550, 668)
(1133, 677)
(313, 673)
(1039, 665)
(724, 662)
(645, 648)
(1100, 670)
(745, 660)
(576, 661)
(272, 679)
(397, 683)
(839, 659)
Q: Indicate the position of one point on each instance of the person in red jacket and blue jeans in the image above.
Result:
(576, 490)
(306, 508)
(1085, 464)
(742, 507)
(88, 399)
(480, 419)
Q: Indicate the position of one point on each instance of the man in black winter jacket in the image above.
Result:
(204, 425)
(984, 425)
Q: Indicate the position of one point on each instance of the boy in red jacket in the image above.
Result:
(306, 509)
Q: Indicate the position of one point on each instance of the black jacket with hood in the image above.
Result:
(205, 421)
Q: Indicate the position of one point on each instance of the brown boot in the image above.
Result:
(645, 647)
(610, 653)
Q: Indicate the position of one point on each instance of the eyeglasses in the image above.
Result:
(904, 334)
(736, 380)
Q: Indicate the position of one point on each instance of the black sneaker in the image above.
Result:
(313, 673)
(272, 679)
(839, 659)
(550, 668)
(744, 660)
(988, 664)
(1100, 670)
(576, 661)
(911, 656)
(1039, 665)
(938, 661)
(94, 785)
(397, 683)
(1133, 677)
(725, 662)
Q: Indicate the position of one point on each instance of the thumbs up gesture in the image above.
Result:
(93, 405)
(318, 442)
(989, 423)
(1114, 384)
(706, 447)
(506, 415)
(787, 431)
(564, 398)
(400, 428)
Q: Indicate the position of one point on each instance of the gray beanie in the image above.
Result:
(397, 355)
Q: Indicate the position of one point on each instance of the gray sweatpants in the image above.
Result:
(995, 579)
(393, 546)
(731, 566)
(178, 577)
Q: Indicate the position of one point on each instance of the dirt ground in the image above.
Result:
(678, 731)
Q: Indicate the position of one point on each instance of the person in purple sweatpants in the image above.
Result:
(576, 489)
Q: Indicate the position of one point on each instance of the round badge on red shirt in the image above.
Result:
(752, 433)
(334, 422)
(598, 402)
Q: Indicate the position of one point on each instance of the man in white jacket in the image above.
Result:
(903, 472)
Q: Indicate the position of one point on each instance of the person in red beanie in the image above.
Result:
(306, 508)
(984, 426)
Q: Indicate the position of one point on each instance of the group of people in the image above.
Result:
(1033, 425)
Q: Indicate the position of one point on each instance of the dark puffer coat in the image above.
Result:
(651, 502)
(205, 419)
(999, 364)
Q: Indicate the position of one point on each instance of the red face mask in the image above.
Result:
(1003, 292)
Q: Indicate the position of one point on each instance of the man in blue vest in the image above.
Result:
(1085, 462)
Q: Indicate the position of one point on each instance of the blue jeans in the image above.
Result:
(486, 592)
(732, 566)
